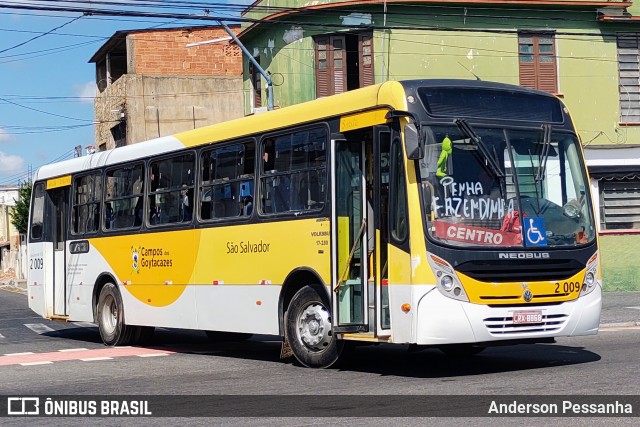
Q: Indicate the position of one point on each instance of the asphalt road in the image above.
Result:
(69, 359)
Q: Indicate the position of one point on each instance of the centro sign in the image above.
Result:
(524, 255)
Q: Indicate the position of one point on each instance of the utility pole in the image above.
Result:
(255, 63)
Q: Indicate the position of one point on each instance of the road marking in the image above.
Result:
(153, 355)
(635, 308)
(20, 354)
(92, 359)
(44, 362)
(39, 328)
(1, 337)
(95, 354)
(72, 349)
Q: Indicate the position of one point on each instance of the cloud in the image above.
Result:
(10, 164)
(4, 136)
(86, 91)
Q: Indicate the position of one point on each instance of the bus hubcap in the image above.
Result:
(314, 327)
(110, 315)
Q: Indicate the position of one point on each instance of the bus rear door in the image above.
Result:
(48, 292)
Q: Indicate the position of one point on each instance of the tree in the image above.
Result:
(20, 212)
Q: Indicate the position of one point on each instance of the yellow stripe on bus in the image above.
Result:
(61, 181)
(364, 119)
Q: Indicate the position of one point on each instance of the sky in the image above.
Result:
(47, 84)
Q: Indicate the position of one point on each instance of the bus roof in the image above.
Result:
(365, 98)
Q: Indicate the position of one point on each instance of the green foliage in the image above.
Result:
(20, 212)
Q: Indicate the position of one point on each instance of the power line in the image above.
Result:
(42, 111)
(39, 35)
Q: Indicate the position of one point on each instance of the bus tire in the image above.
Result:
(110, 313)
(219, 336)
(308, 325)
(461, 350)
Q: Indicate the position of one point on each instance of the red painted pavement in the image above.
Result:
(58, 356)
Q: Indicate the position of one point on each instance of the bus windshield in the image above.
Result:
(497, 187)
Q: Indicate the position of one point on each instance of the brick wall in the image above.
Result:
(165, 53)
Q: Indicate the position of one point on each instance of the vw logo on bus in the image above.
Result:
(527, 295)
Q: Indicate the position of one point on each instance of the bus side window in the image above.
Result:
(86, 204)
(229, 190)
(171, 190)
(292, 181)
(124, 188)
(37, 212)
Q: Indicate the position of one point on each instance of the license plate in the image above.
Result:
(527, 316)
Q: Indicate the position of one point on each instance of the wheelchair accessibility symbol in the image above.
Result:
(534, 231)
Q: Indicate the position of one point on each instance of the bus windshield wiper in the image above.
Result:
(491, 161)
(544, 155)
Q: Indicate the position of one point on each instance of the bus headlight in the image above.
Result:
(447, 280)
(590, 281)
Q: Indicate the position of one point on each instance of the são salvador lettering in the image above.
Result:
(248, 247)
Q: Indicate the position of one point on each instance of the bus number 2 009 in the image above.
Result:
(567, 287)
(36, 264)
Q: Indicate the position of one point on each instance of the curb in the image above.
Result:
(619, 325)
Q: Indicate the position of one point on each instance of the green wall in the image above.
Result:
(620, 266)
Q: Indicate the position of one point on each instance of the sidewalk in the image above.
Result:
(619, 309)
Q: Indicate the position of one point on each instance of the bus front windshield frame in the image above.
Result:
(491, 186)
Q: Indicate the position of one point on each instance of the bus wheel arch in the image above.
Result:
(296, 280)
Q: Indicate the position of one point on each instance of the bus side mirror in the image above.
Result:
(413, 143)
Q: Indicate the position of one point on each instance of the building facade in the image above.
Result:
(585, 52)
(9, 236)
(151, 84)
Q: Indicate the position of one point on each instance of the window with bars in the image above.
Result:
(629, 76)
(619, 204)
(537, 58)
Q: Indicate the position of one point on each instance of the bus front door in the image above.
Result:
(59, 206)
(350, 232)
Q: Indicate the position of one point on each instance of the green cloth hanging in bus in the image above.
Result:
(441, 172)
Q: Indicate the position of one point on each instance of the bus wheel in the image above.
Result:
(309, 331)
(110, 311)
(218, 336)
(461, 350)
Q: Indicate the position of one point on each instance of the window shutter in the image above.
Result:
(331, 65)
(620, 204)
(338, 64)
(365, 53)
(323, 78)
(546, 61)
(629, 77)
(537, 61)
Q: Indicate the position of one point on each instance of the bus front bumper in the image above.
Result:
(442, 320)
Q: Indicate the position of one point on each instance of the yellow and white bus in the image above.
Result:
(445, 213)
